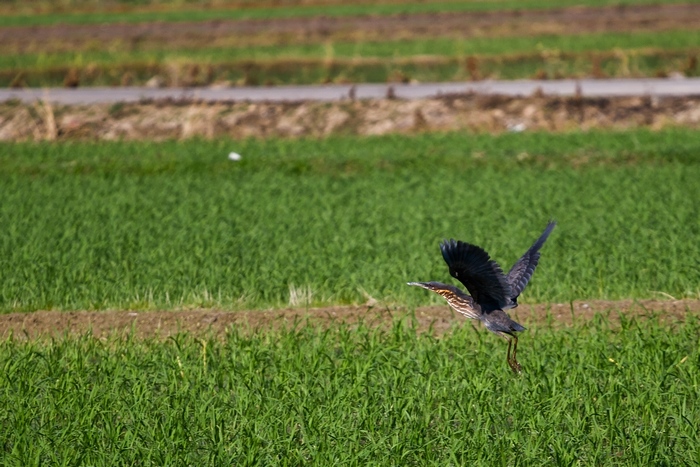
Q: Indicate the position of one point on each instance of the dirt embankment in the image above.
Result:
(477, 113)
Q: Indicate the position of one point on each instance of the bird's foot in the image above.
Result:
(515, 366)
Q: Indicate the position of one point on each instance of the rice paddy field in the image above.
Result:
(176, 225)
(170, 236)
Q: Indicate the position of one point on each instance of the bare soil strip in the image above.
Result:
(435, 319)
(142, 36)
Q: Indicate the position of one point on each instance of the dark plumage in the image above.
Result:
(491, 290)
(483, 277)
(521, 272)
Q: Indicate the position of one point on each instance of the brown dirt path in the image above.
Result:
(221, 33)
(439, 319)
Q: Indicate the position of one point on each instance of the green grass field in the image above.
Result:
(589, 395)
(176, 224)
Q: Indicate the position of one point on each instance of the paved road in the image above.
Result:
(587, 87)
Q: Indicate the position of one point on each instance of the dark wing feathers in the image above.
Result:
(483, 277)
(521, 272)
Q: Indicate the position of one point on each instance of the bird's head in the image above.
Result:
(446, 290)
(457, 299)
(433, 286)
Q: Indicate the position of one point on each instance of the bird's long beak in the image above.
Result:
(419, 284)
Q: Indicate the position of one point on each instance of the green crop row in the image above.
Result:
(587, 395)
(631, 43)
(313, 222)
(611, 54)
(621, 64)
(25, 15)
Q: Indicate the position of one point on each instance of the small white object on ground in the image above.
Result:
(234, 156)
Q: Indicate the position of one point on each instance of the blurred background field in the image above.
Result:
(78, 11)
(243, 43)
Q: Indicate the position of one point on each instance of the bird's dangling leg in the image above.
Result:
(510, 342)
(513, 361)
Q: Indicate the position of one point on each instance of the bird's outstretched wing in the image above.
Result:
(483, 277)
(521, 272)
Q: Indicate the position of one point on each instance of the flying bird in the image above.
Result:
(492, 291)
